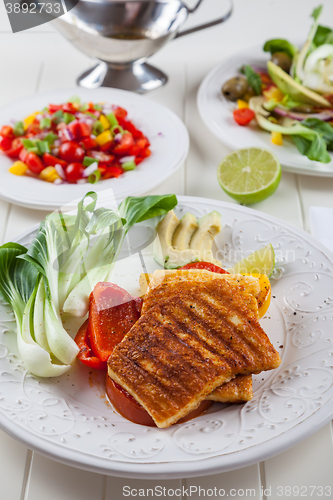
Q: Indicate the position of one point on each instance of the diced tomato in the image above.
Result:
(80, 130)
(71, 152)
(51, 161)
(5, 143)
(69, 107)
(119, 113)
(89, 143)
(34, 163)
(102, 167)
(106, 146)
(23, 154)
(33, 129)
(129, 408)
(53, 108)
(7, 131)
(16, 147)
(101, 157)
(127, 125)
(86, 355)
(74, 172)
(205, 265)
(113, 171)
(243, 116)
(112, 313)
(144, 153)
(138, 160)
(125, 144)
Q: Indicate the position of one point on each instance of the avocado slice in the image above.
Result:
(164, 253)
(298, 92)
(184, 232)
(202, 240)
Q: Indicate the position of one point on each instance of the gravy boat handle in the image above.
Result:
(206, 25)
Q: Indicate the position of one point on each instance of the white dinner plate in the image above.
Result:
(216, 112)
(166, 132)
(69, 420)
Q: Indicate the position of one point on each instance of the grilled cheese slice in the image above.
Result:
(238, 390)
(198, 337)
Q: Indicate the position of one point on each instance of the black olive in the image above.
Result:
(283, 60)
(235, 88)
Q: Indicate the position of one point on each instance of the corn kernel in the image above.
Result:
(49, 174)
(276, 138)
(104, 137)
(242, 104)
(273, 93)
(105, 122)
(18, 168)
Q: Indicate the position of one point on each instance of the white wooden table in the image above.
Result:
(41, 59)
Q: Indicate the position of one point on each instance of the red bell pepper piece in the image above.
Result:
(112, 313)
(120, 113)
(127, 125)
(80, 130)
(53, 108)
(86, 355)
(52, 161)
(205, 265)
(113, 171)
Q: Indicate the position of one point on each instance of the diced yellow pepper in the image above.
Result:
(29, 119)
(276, 138)
(104, 137)
(49, 174)
(18, 168)
(274, 93)
(242, 104)
(105, 122)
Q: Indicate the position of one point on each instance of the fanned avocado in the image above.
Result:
(164, 253)
(298, 92)
(184, 232)
(202, 239)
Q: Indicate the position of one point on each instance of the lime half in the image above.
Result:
(249, 175)
(261, 262)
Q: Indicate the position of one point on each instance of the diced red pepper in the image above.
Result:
(127, 125)
(69, 107)
(5, 143)
(53, 108)
(120, 113)
(86, 355)
(52, 161)
(107, 146)
(34, 163)
(144, 153)
(112, 313)
(113, 171)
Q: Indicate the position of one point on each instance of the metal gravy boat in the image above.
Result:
(122, 35)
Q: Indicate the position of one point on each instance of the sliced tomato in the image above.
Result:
(144, 153)
(129, 408)
(33, 129)
(125, 144)
(86, 355)
(79, 130)
(69, 107)
(243, 116)
(53, 108)
(5, 143)
(120, 113)
(113, 171)
(15, 149)
(74, 172)
(7, 131)
(34, 163)
(71, 152)
(89, 143)
(127, 125)
(107, 146)
(112, 313)
(52, 161)
(23, 154)
(205, 265)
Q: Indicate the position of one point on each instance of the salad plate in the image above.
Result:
(216, 113)
(70, 420)
(166, 132)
